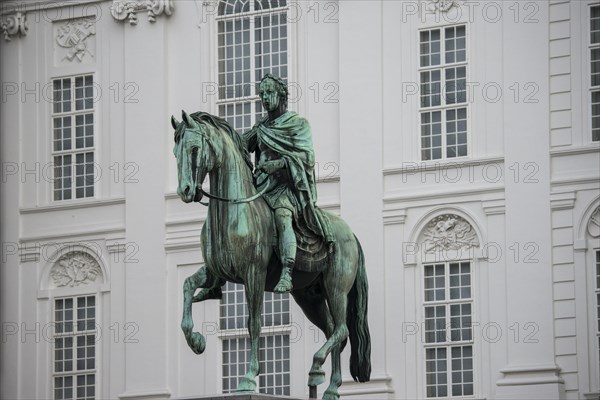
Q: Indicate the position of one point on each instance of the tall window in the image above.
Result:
(75, 348)
(443, 93)
(448, 311)
(252, 40)
(595, 70)
(73, 137)
(598, 302)
(274, 341)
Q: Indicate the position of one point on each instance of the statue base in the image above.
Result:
(242, 396)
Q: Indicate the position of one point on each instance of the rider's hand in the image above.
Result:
(270, 167)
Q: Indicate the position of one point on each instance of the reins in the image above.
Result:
(233, 201)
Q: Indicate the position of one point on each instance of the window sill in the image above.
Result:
(72, 204)
(433, 165)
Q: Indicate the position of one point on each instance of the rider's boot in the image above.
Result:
(285, 280)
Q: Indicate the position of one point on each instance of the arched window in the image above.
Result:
(447, 243)
(252, 40)
(73, 283)
(593, 230)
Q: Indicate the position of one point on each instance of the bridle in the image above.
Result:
(223, 199)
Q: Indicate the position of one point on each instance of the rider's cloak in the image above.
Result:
(289, 136)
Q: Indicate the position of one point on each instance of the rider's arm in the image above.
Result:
(250, 140)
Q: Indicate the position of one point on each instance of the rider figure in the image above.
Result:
(285, 162)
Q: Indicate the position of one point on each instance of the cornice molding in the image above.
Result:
(122, 10)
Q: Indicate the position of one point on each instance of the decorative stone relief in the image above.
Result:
(75, 40)
(594, 223)
(128, 9)
(441, 5)
(449, 232)
(75, 269)
(14, 24)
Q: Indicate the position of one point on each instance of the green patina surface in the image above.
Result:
(264, 230)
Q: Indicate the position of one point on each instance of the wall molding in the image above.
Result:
(377, 385)
(563, 200)
(391, 198)
(533, 374)
(146, 395)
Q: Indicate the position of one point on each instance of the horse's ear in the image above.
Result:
(188, 120)
(174, 122)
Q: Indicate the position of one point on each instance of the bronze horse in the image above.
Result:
(238, 244)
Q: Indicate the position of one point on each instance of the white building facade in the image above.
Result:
(460, 140)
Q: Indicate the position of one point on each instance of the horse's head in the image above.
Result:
(197, 150)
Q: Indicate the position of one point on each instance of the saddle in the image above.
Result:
(312, 250)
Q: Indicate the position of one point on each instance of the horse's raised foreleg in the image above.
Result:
(255, 288)
(200, 279)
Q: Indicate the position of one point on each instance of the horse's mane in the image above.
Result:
(222, 125)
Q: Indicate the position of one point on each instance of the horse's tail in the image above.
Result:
(360, 338)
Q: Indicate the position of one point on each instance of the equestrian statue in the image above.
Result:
(264, 230)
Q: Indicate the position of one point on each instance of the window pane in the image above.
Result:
(430, 48)
(596, 116)
(274, 364)
(595, 66)
(430, 88)
(456, 131)
(456, 85)
(436, 370)
(462, 371)
(431, 128)
(435, 324)
(595, 25)
(455, 43)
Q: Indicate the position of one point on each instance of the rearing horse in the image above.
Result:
(239, 245)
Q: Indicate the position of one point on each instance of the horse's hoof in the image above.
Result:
(197, 343)
(331, 394)
(246, 385)
(316, 377)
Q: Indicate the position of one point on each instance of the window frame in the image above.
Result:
(74, 151)
(591, 88)
(594, 315)
(443, 107)
(422, 354)
(242, 334)
(97, 347)
(253, 98)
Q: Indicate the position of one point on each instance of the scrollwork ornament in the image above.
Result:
(441, 5)
(75, 269)
(127, 9)
(14, 24)
(449, 232)
(594, 223)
